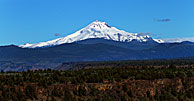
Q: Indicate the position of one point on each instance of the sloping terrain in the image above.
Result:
(93, 50)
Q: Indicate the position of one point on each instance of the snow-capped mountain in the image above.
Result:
(96, 29)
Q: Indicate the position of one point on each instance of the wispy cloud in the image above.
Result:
(144, 33)
(163, 20)
(57, 34)
(150, 34)
(179, 39)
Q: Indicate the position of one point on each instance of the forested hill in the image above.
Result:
(127, 63)
(92, 50)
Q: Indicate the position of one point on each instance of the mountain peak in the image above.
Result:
(96, 29)
(98, 24)
(97, 21)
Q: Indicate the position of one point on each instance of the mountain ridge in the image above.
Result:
(96, 29)
(94, 50)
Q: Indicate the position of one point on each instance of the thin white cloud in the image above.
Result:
(179, 39)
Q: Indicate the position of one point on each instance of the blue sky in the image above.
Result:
(34, 21)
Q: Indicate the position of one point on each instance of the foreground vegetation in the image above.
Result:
(109, 83)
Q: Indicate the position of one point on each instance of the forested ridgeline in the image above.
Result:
(104, 84)
(128, 64)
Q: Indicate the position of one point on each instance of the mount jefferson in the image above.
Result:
(96, 29)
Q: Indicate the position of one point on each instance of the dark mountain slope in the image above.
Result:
(172, 50)
(93, 50)
(53, 56)
(133, 45)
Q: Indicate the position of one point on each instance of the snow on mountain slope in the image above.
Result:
(97, 29)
